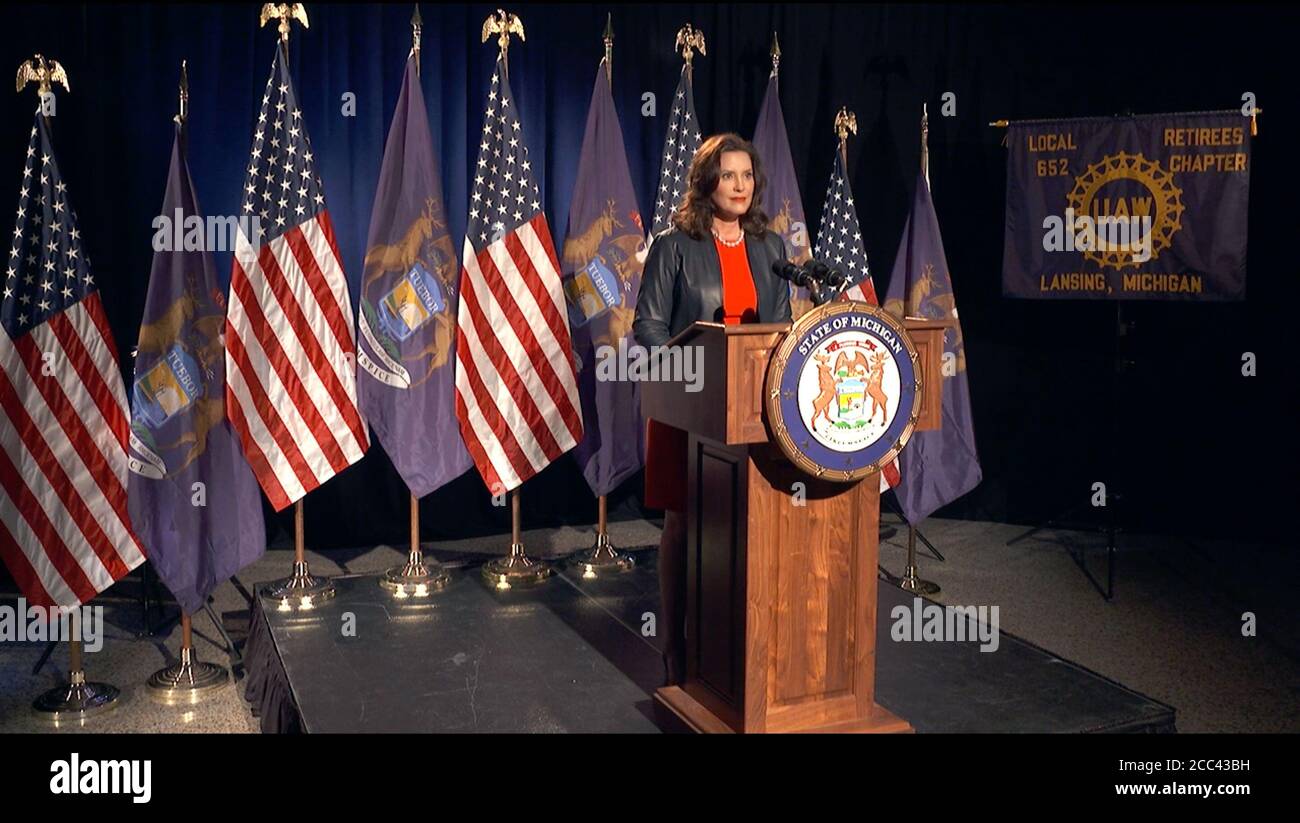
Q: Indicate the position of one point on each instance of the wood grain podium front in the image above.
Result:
(781, 590)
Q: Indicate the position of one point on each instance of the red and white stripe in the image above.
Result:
(64, 420)
(516, 392)
(291, 391)
(863, 295)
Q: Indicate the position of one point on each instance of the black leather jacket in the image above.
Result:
(682, 283)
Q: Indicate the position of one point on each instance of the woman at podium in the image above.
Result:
(714, 264)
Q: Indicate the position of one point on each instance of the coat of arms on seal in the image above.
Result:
(843, 390)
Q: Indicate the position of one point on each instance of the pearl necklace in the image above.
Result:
(731, 244)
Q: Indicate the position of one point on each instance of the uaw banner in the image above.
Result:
(1128, 208)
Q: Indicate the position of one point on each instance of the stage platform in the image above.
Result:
(571, 656)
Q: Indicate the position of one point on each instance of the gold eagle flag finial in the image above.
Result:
(608, 39)
(183, 91)
(689, 40)
(503, 25)
(845, 122)
(284, 12)
(43, 72)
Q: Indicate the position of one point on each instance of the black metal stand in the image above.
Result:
(1111, 528)
(236, 659)
(1111, 531)
(896, 509)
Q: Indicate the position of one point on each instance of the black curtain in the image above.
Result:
(1197, 447)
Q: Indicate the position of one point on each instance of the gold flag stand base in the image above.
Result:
(189, 681)
(186, 683)
(515, 570)
(300, 590)
(76, 700)
(910, 582)
(416, 579)
(602, 560)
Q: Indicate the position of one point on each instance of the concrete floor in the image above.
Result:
(1173, 630)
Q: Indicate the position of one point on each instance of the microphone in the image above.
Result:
(794, 273)
(823, 282)
(826, 274)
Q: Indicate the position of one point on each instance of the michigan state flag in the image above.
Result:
(602, 260)
(941, 465)
(406, 355)
(783, 203)
(193, 500)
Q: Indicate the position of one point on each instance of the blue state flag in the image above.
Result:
(406, 353)
(601, 265)
(193, 500)
(937, 466)
(782, 200)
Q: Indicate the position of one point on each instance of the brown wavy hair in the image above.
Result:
(694, 215)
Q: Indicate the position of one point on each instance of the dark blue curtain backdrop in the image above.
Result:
(1200, 447)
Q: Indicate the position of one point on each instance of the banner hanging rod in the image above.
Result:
(1002, 124)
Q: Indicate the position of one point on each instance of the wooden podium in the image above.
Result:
(781, 592)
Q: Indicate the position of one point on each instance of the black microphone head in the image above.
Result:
(792, 272)
(785, 270)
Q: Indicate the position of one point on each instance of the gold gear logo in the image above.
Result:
(1167, 220)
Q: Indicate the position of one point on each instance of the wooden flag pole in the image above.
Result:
(516, 533)
(516, 568)
(301, 590)
(415, 524)
(299, 539)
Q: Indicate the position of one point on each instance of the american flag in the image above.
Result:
(66, 532)
(839, 239)
(839, 243)
(516, 393)
(291, 389)
(680, 145)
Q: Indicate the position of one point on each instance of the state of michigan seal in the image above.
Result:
(843, 391)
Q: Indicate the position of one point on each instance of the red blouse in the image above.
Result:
(739, 298)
